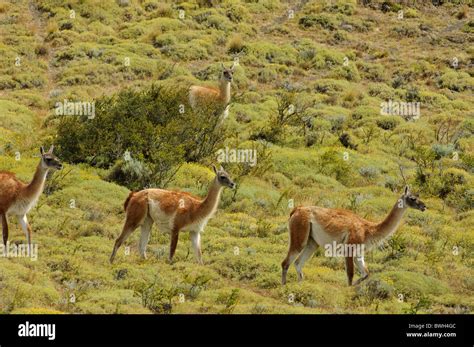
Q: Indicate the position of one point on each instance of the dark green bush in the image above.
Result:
(291, 111)
(387, 122)
(331, 163)
(344, 8)
(236, 13)
(390, 6)
(323, 21)
(346, 141)
(142, 135)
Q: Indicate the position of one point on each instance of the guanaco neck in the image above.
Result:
(209, 205)
(36, 186)
(224, 88)
(390, 224)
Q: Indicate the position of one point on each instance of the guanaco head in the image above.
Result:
(223, 178)
(49, 160)
(227, 73)
(412, 200)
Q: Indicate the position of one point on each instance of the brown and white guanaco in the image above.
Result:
(172, 211)
(200, 95)
(19, 198)
(313, 226)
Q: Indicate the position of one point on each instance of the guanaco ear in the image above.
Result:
(222, 65)
(51, 149)
(406, 190)
(221, 168)
(42, 150)
(214, 168)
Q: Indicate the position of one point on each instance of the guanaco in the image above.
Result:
(200, 95)
(311, 226)
(172, 211)
(19, 198)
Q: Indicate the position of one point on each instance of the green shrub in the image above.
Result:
(267, 74)
(461, 198)
(381, 90)
(332, 164)
(29, 81)
(374, 289)
(218, 22)
(229, 300)
(344, 7)
(390, 6)
(456, 81)
(406, 30)
(454, 189)
(273, 53)
(291, 110)
(329, 86)
(388, 122)
(236, 44)
(412, 94)
(155, 297)
(392, 183)
(469, 27)
(163, 40)
(237, 13)
(410, 13)
(372, 72)
(369, 172)
(7, 82)
(145, 134)
(323, 21)
(337, 123)
(349, 73)
(306, 58)
(131, 173)
(194, 50)
(347, 142)
(420, 302)
(362, 112)
(442, 150)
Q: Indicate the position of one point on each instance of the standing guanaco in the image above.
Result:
(311, 226)
(200, 95)
(19, 198)
(172, 211)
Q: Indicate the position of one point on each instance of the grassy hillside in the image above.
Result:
(335, 62)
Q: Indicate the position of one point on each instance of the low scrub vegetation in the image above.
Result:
(308, 95)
